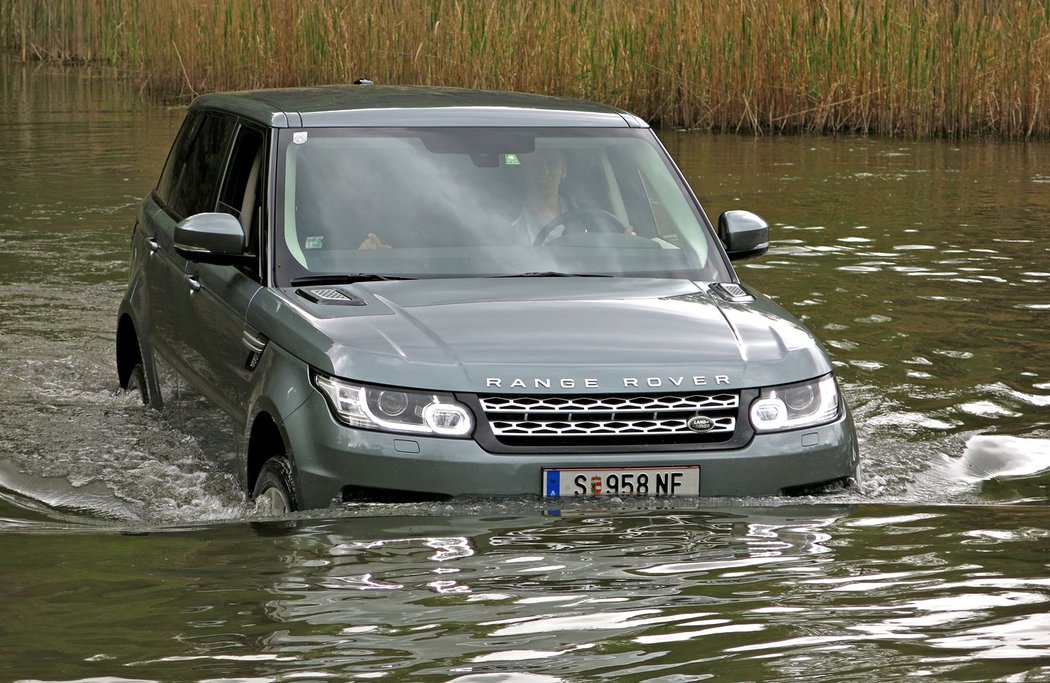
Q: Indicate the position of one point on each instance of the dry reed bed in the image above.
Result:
(952, 68)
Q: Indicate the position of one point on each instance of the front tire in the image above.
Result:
(137, 383)
(275, 491)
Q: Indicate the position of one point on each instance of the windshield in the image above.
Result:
(484, 202)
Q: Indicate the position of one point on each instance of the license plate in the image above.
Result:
(622, 481)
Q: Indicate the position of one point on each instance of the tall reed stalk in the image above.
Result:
(894, 67)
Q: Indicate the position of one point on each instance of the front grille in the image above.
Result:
(610, 420)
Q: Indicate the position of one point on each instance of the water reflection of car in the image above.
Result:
(492, 553)
(614, 352)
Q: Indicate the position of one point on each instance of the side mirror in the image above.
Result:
(744, 234)
(210, 238)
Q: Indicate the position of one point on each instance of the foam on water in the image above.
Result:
(985, 460)
(991, 456)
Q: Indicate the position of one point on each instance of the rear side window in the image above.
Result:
(189, 183)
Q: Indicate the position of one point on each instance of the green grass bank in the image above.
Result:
(916, 68)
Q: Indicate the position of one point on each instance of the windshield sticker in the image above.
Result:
(301, 137)
(511, 160)
(314, 242)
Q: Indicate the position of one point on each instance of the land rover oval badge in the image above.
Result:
(700, 423)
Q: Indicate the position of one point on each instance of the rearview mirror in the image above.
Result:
(210, 238)
(744, 234)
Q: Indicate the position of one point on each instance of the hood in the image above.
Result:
(576, 335)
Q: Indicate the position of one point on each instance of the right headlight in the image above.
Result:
(794, 406)
(395, 410)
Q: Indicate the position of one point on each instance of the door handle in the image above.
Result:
(153, 245)
(194, 282)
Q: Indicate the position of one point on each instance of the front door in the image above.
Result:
(219, 347)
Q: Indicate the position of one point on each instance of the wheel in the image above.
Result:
(137, 383)
(274, 492)
(583, 220)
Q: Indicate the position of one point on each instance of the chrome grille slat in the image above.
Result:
(692, 402)
(609, 416)
(722, 426)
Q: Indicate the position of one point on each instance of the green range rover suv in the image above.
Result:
(369, 291)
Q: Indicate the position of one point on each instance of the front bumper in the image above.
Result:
(330, 456)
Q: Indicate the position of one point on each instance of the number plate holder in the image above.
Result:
(658, 482)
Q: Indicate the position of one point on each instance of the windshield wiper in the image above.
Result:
(344, 278)
(554, 273)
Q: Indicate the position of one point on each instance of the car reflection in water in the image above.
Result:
(485, 587)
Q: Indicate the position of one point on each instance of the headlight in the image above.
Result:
(794, 406)
(395, 410)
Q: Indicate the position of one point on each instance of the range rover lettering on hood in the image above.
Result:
(679, 382)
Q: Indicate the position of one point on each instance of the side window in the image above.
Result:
(243, 190)
(175, 157)
(190, 181)
(664, 223)
(586, 181)
(240, 187)
(637, 197)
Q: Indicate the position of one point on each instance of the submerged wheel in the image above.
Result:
(274, 492)
(137, 383)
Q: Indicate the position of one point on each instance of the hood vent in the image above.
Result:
(731, 291)
(329, 295)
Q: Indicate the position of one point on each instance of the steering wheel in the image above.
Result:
(583, 220)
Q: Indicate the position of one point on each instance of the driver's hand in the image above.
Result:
(373, 242)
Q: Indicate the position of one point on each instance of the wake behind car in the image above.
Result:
(377, 291)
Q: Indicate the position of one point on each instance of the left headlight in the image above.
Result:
(794, 406)
(395, 410)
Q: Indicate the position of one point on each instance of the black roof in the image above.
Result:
(389, 105)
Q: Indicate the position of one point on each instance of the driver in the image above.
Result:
(544, 170)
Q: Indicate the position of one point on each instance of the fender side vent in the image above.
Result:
(329, 295)
(256, 343)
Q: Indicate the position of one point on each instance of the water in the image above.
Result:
(924, 267)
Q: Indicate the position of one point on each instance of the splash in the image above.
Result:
(990, 456)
